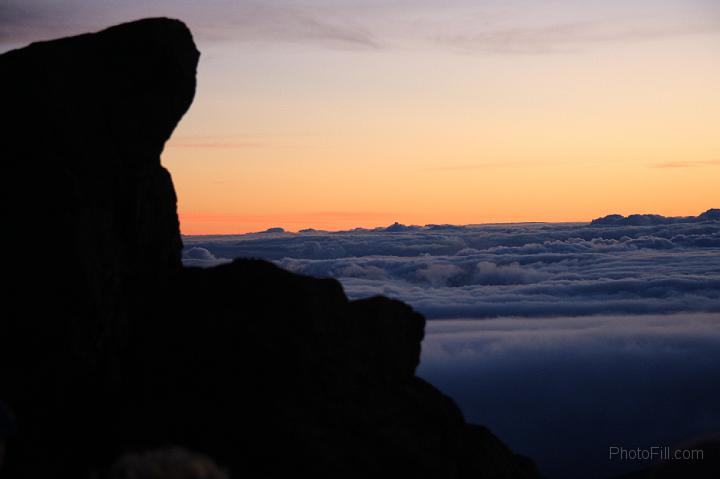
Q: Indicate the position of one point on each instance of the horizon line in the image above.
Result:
(283, 230)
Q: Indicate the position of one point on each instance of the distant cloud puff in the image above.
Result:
(487, 272)
(198, 256)
(438, 274)
(397, 227)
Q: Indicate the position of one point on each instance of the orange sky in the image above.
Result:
(341, 113)
(596, 121)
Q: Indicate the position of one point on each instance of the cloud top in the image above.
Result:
(638, 264)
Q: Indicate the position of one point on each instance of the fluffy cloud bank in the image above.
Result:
(616, 265)
(563, 390)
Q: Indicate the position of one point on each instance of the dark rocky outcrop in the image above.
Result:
(107, 344)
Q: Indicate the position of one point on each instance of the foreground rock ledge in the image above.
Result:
(112, 346)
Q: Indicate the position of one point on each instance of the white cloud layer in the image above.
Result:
(486, 271)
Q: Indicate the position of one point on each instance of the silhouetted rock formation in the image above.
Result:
(110, 345)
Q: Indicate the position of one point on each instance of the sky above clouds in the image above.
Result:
(335, 114)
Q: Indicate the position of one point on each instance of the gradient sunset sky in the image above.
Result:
(342, 113)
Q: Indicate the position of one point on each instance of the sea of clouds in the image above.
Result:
(565, 339)
(486, 271)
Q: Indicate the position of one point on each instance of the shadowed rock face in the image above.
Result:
(109, 345)
(89, 212)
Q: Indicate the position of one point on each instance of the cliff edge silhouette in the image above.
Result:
(110, 345)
